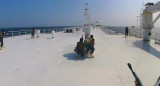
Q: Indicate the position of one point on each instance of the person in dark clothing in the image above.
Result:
(32, 32)
(80, 48)
(2, 34)
(92, 46)
(1, 39)
(126, 31)
(89, 44)
(86, 47)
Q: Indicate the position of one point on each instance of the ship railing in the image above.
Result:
(17, 33)
(115, 31)
(157, 38)
(136, 33)
(27, 32)
(132, 32)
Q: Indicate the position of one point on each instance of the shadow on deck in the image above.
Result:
(73, 56)
(147, 47)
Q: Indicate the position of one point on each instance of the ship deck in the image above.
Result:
(47, 61)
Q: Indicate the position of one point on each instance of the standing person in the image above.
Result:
(32, 32)
(126, 31)
(2, 34)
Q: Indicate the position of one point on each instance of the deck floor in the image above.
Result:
(47, 61)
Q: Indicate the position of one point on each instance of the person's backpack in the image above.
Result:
(80, 46)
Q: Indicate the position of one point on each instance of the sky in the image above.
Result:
(29, 13)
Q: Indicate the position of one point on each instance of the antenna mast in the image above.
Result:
(86, 16)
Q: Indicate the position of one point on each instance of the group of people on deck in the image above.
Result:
(3, 33)
(85, 47)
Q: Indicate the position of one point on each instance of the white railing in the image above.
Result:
(17, 33)
(137, 33)
(132, 32)
(157, 38)
(26, 32)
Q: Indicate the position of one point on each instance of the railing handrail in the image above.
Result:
(26, 32)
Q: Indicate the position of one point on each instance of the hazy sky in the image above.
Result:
(22, 13)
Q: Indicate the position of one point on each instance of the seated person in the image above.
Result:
(90, 38)
(89, 44)
(80, 47)
(92, 48)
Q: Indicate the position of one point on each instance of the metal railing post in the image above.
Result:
(12, 34)
(25, 32)
(156, 37)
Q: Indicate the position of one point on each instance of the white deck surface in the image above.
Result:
(52, 62)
